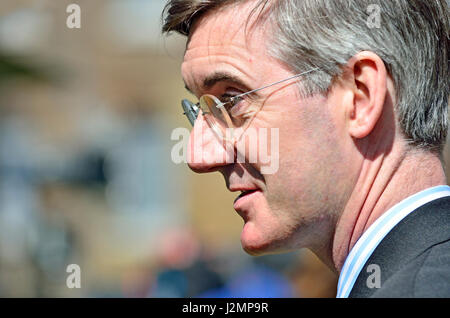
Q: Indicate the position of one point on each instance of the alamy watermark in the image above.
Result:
(374, 19)
(257, 145)
(73, 21)
(374, 279)
(74, 278)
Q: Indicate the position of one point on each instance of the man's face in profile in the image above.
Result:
(297, 205)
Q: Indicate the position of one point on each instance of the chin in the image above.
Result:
(257, 242)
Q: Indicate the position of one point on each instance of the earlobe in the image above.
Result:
(367, 76)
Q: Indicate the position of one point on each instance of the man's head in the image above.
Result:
(378, 87)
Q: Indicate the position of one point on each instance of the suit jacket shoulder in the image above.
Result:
(413, 259)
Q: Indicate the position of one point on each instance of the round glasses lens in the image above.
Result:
(209, 103)
(217, 117)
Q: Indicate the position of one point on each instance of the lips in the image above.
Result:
(244, 193)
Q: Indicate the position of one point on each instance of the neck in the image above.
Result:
(382, 183)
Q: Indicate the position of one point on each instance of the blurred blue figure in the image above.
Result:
(187, 282)
(184, 270)
(170, 283)
(255, 281)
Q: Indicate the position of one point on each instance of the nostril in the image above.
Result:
(210, 161)
(202, 169)
(205, 152)
(197, 167)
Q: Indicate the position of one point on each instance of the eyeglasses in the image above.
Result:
(227, 114)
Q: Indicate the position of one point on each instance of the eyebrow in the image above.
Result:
(217, 77)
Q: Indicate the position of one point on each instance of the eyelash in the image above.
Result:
(236, 109)
(228, 97)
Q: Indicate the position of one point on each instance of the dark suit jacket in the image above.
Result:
(413, 258)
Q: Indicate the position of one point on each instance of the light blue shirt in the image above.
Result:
(370, 239)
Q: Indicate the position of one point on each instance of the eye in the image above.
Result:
(229, 100)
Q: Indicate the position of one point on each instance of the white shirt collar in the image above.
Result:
(370, 239)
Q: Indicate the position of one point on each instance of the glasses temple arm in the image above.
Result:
(283, 80)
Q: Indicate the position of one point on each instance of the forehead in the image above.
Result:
(226, 39)
(233, 24)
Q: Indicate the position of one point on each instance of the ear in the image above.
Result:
(367, 88)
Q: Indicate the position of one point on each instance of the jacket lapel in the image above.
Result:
(421, 229)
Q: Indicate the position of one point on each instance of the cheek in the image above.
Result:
(259, 146)
(308, 156)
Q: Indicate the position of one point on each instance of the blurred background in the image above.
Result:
(86, 175)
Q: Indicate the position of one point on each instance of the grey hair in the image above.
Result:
(412, 40)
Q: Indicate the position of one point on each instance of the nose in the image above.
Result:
(206, 152)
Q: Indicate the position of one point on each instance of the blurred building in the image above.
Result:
(85, 169)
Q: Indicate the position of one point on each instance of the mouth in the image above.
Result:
(244, 193)
(243, 200)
